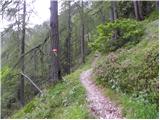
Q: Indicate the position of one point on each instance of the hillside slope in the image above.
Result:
(132, 73)
(67, 99)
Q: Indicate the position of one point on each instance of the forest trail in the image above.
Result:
(100, 106)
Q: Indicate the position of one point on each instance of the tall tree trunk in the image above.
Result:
(42, 63)
(113, 11)
(148, 7)
(87, 40)
(114, 16)
(102, 14)
(157, 4)
(138, 10)
(55, 67)
(68, 41)
(103, 18)
(21, 92)
(35, 63)
(82, 35)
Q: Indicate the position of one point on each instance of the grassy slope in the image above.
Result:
(66, 100)
(130, 107)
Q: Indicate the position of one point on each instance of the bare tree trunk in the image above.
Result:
(35, 63)
(103, 18)
(148, 7)
(138, 10)
(68, 41)
(55, 67)
(113, 11)
(114, 16)
(157, 4)
(21, 92)
(42, 63)
(87, 41)
(82, 37)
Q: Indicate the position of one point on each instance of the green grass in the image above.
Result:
(130, 108)
(66, 99)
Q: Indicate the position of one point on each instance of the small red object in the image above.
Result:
(54, 50)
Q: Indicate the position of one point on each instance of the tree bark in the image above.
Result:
(42, 63)
(103, 18)
(148, 7)
(82, 36)
(21, 90)
(68, 41)
(113, 11)
(35, 63)
(157, 4)
(55, 66)
(114, 16)
(138, 10)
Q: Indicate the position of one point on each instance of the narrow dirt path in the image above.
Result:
(100, 106)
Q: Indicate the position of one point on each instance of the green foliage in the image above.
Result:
(135, 109)
(153, 15)
(8, 90)
(36, 65)
(9, 47)
(131, 108)
(125, 9)
(134, 72)
(126, 30)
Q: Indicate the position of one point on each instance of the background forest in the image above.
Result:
(123, 33)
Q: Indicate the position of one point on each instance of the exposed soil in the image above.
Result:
(100, 106)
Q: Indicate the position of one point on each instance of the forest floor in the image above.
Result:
(100, 105)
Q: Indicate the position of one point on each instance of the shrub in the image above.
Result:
(114, 35)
